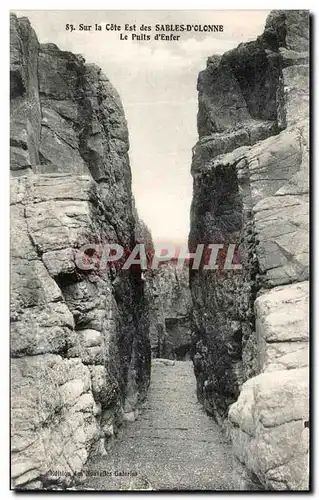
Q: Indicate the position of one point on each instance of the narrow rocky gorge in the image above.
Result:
(227, 406)
(250, 171)
(169, 302)
(170, 311)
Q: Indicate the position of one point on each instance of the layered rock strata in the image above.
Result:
(170, 310)
(169, 301)
(251, 170)
(79, 338)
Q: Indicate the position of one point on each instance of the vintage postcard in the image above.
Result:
(159, 221)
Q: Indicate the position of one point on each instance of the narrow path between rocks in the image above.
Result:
(173, 444)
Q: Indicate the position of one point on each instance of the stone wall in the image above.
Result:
(79, 339)
(250, 170)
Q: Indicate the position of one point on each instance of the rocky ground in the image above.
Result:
(173, 445)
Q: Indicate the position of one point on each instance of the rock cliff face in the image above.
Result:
(79, 339)
(169, 302)
(250, 170)
(170, 310)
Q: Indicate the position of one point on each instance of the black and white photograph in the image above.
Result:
(159, 250)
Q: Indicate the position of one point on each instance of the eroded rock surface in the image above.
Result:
(251, 171)
(79, 338)
(170, 305)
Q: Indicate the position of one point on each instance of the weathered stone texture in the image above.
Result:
(25, 114)
(251, 172)
(170, 305)
(270, 431)
(79, 339)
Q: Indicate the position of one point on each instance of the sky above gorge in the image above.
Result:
(157, 84)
